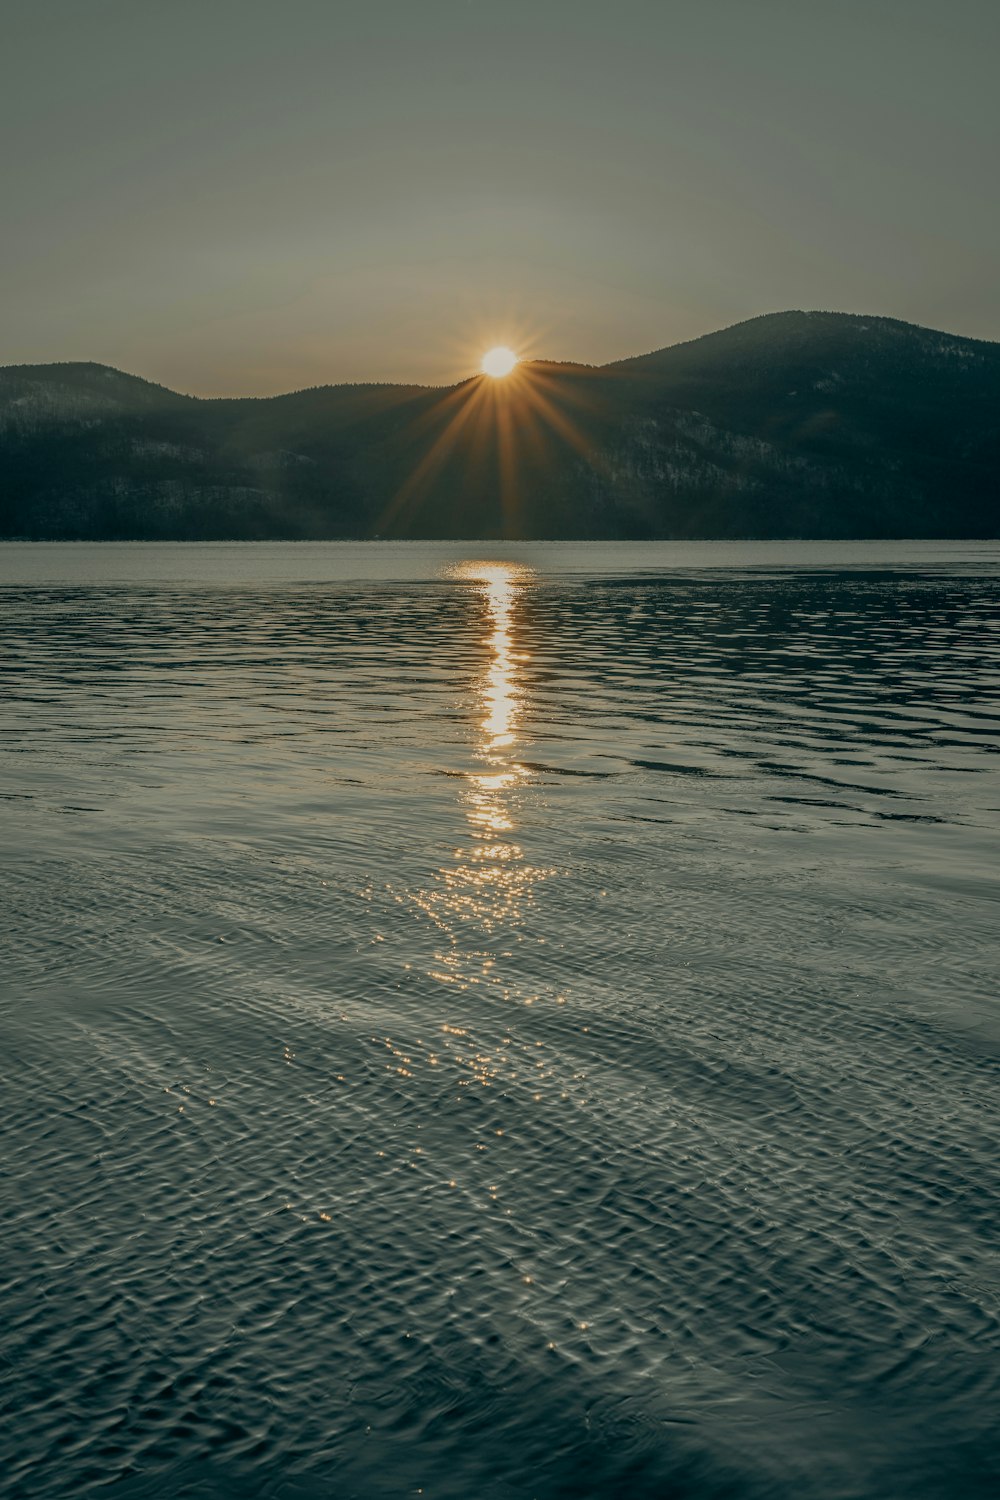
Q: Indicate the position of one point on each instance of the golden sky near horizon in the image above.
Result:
(244, 198)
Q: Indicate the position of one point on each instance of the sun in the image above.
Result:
(499, 361)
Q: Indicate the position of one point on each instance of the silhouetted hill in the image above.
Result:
(792, 424)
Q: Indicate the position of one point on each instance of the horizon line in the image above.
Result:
(568, 364)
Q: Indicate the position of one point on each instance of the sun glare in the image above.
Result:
(499, 361)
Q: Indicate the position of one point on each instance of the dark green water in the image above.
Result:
(494, 1022)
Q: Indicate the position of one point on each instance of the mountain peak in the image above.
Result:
(811, 331)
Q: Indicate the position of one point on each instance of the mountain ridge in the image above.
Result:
(863, 320)
(787, 424)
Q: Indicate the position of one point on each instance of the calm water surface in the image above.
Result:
(500, 1022)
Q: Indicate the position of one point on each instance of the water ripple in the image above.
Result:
(509, 1033)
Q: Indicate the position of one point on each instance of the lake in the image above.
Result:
(500, 1021)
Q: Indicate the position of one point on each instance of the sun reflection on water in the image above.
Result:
(499, 583)
(488, 799)
(481, 901)
(488, 886)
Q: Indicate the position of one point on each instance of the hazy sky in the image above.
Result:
(244, 196)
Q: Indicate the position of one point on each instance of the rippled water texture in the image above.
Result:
(500, 1023)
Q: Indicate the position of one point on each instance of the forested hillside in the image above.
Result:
(792, 424)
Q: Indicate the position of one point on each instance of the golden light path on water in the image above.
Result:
(480, 898)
